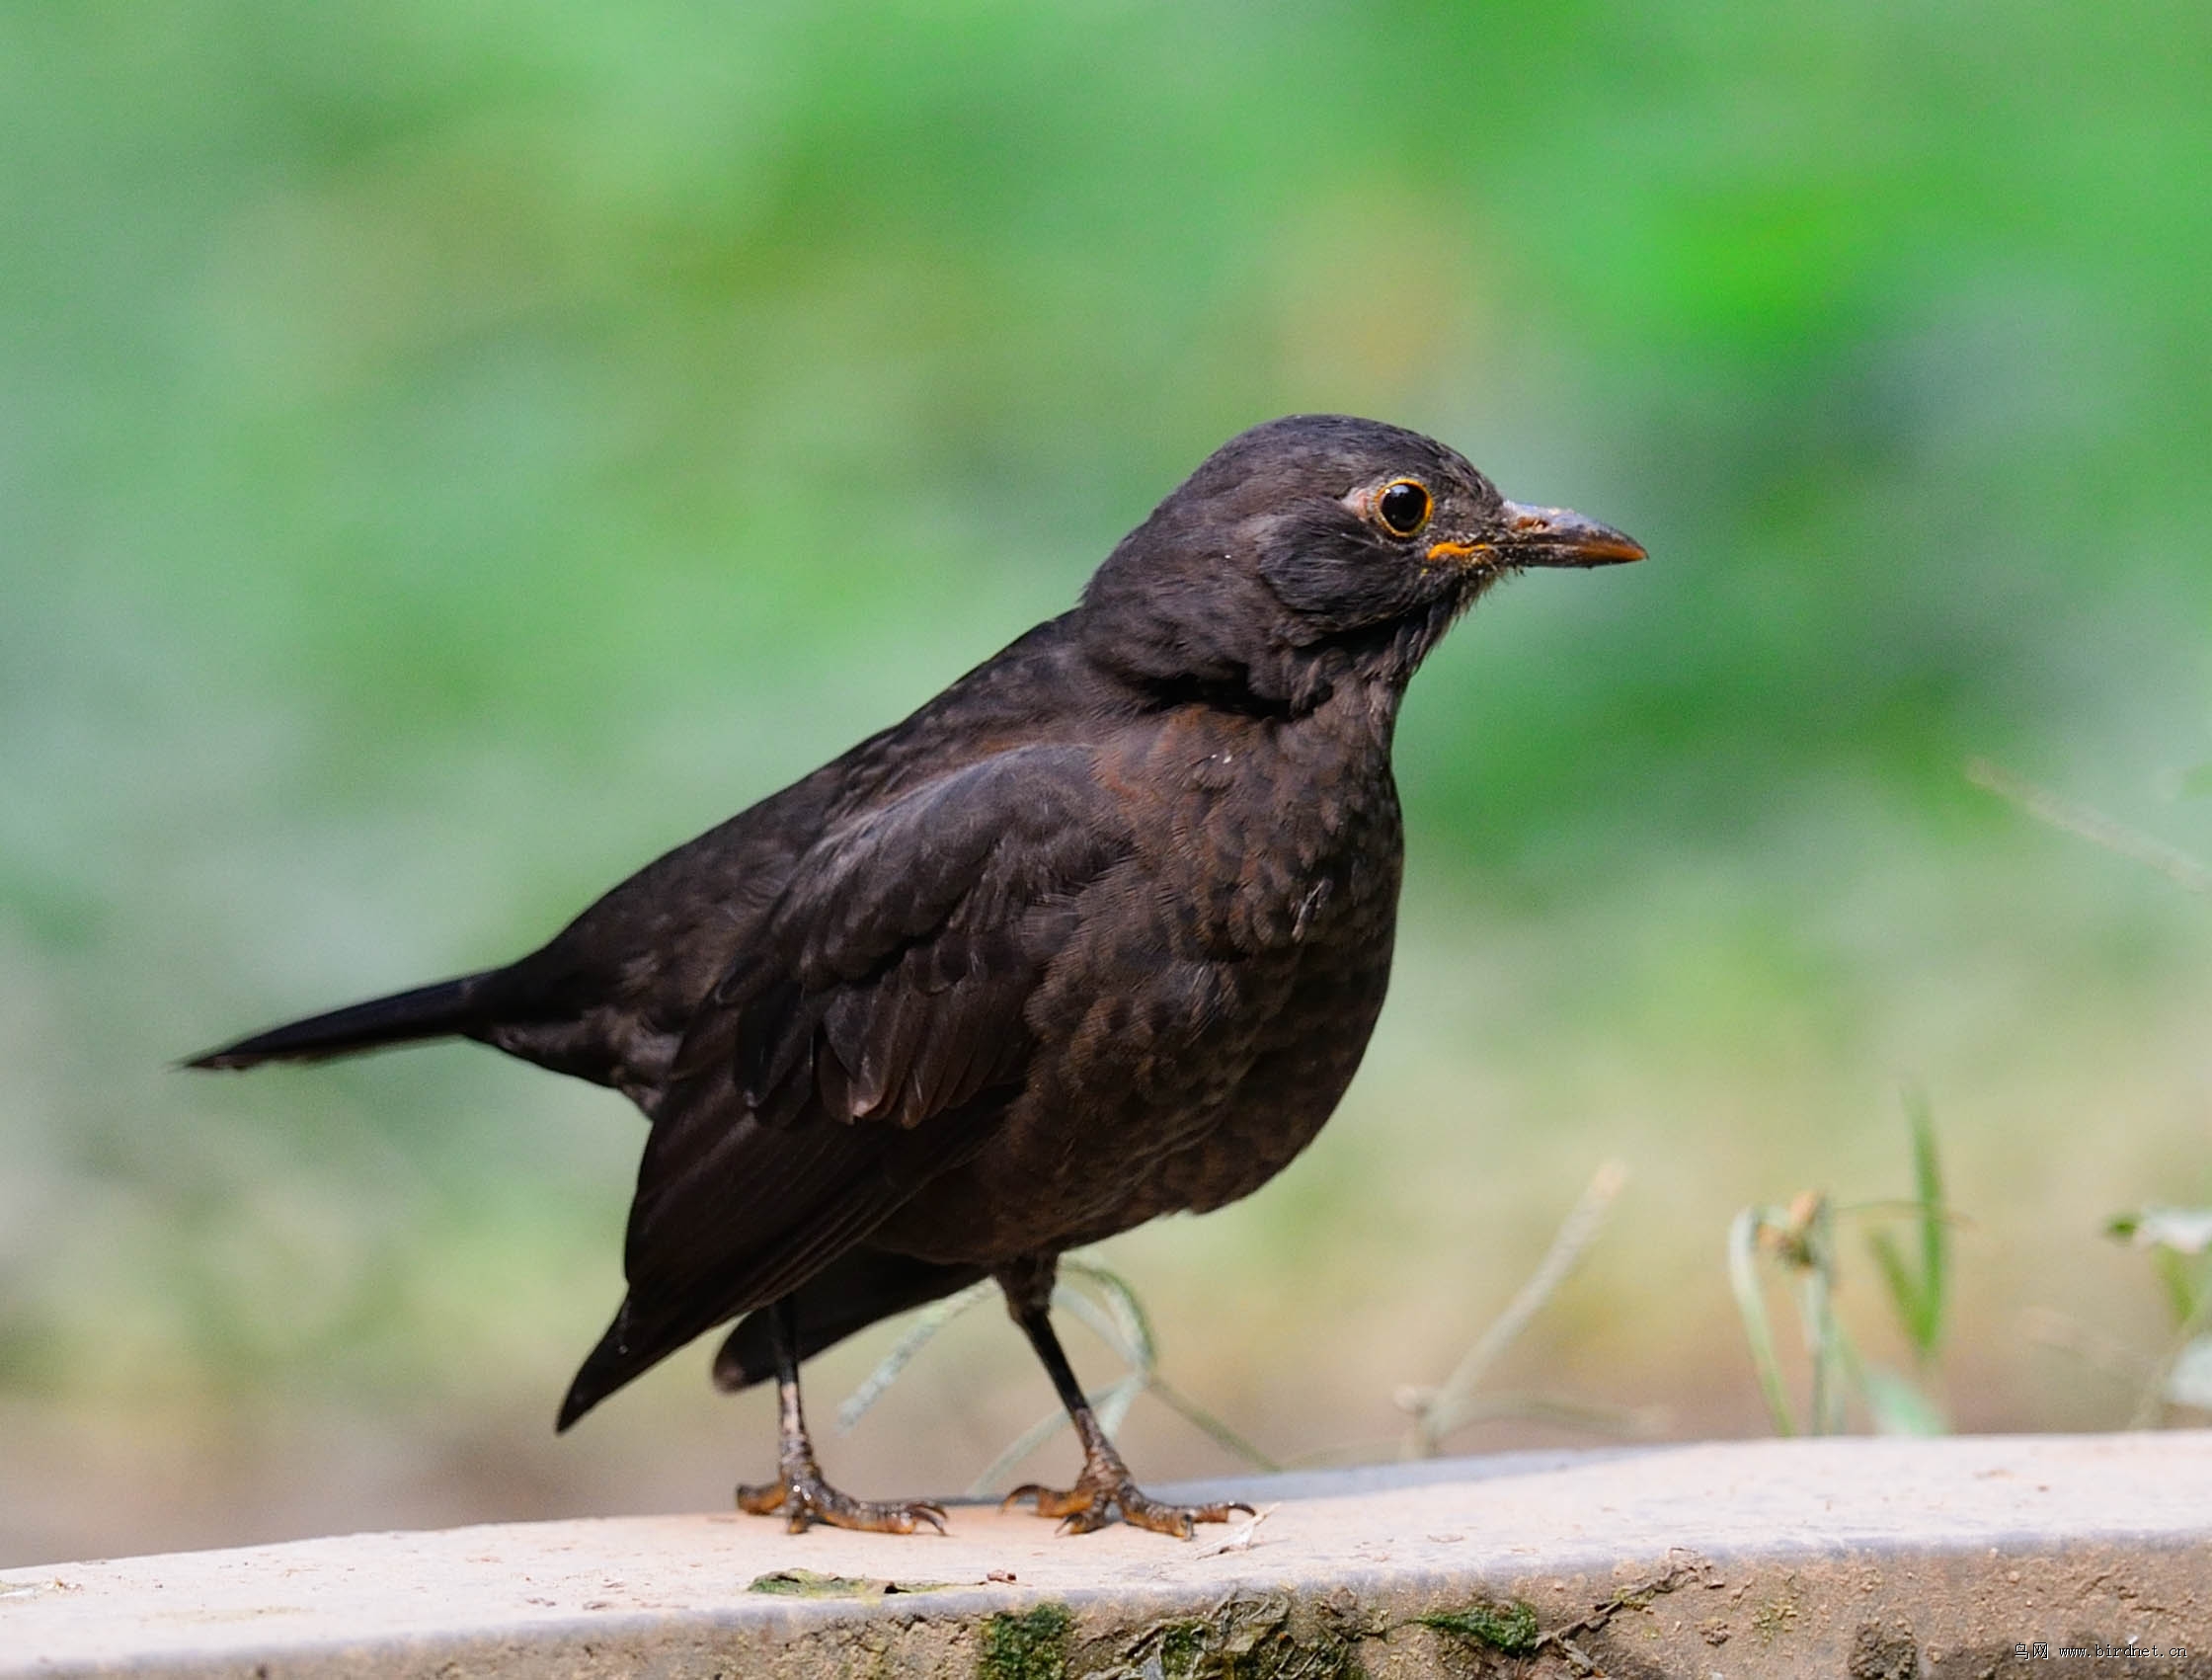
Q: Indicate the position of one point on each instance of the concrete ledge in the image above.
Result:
(1876, 1560)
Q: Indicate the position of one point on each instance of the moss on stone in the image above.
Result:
(1508, 1626)
(1026, 1644)
(1244, 1640)
(809, 1583)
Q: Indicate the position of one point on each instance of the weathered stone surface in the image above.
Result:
(1870, 1559)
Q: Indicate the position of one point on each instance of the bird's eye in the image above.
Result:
(1403, 507)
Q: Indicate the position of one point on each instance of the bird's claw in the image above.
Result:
(807, 1499)
(1093, 1503)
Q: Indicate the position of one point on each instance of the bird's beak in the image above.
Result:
(1556, 537)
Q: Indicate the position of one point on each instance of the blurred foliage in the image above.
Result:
(2179, 1244)
(449, 451)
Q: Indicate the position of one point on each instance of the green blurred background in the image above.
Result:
(450, 452)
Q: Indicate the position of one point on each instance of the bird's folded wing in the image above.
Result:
(869, 1039)
(890, 982)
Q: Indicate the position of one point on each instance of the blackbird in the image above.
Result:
(1098, 933)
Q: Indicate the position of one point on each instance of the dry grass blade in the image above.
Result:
(1045, 1428)
(1124, 1327)
(1438, 1413)
(2104, 1354)
(1241, 1537)
(1593, 1416)
(1117, 1318)
(917, 1336)
(2091, 825)
(1123, 1324)
(1109, 1327)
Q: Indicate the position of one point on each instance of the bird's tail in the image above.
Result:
(406, 1018)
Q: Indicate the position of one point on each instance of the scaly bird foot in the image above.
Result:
(1095, 1499)
(807, 1499)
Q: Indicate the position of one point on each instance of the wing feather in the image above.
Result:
(871, 1038)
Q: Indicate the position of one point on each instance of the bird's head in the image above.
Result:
(1315, 549)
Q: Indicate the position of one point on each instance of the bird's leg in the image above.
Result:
(798, 1489)
(1105, 1485)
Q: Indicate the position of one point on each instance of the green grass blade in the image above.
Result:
(1905, 1295)
(1933, 1293)
(2178, 1278)
(1816, 1310)
(1898, 1405)
(1750, 1306)
(2151, 1404)
(1192, 1413)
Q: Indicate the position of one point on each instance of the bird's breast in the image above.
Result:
(1278, 834)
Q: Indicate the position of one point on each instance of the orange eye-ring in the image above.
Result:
(1404, 505)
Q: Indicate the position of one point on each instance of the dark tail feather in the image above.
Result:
(404, 1018)
(606, 1368)
(859, 1287)
(864, 1285)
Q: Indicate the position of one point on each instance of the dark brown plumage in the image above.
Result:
(1098, 933)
